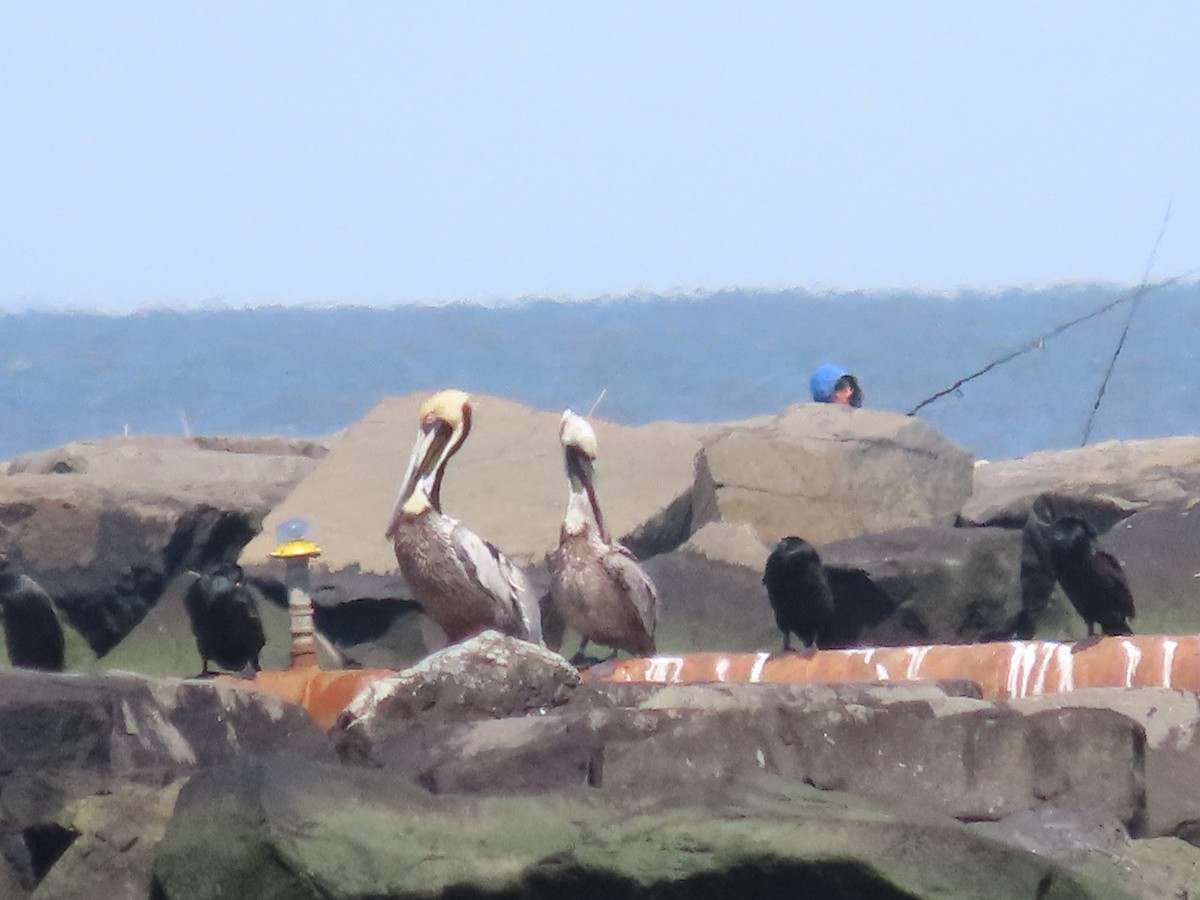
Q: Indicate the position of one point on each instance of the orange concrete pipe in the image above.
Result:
(323, 694)
(1003, 670)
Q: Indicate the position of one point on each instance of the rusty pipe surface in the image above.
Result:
(1003, 670)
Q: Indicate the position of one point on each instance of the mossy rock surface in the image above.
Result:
(346, 833)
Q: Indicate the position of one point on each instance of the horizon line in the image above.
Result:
(19, 306)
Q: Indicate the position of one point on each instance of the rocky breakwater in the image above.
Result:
(700, 504)
(496, 764)
(495, 769)
(921, 544)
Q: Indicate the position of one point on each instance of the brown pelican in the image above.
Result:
(1091, 578)
(461, 581)
(597, 584)
(799, 592)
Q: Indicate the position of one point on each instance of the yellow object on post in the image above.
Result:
(295, 549)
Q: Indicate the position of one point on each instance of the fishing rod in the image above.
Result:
(1112, 363)
(1132, 295)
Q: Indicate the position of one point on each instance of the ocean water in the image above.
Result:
(717, 357)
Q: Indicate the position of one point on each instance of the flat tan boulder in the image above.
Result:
(506, 483)
(244, 472)
(1124, 475)
(826, 472)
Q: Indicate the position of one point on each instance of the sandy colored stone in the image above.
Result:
(506, 484)
(736, 543)
(1128, 474)
(825, 472)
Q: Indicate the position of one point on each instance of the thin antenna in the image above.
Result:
(187, 429)
(603, 391)
(1133, 308)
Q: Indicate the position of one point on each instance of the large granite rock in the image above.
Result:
(825, 472)
(488, 676)
(495, 714)
(919, 585)
(125, 725)
(702, 598)
(1171, 721)
(506, 484)
(66, 740)
(114, 521)
(1123, 475)
(585, 787)
(1159, 548)
(307, 832)
(936, 584)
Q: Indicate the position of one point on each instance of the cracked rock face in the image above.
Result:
(825, 472)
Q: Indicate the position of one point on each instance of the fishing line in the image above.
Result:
(603, 391)
(1112, 363)
(1132, 294)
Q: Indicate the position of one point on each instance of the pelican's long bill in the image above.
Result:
(445, 420)
(579, 443)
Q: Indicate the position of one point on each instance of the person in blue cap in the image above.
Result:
(831, 383)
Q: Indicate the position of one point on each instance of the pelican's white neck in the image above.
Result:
(580, 517)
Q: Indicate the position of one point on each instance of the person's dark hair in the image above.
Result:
(856, 394)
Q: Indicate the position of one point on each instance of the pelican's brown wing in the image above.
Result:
(500, 577)
(629, 574)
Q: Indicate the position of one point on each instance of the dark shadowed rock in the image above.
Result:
(1159, 549)
(925, 585)
(106, 538)
(33, 633)
(67, 738)
(121, 724)
(707, 604)
(370, 619)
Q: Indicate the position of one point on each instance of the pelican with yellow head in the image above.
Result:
(461, 581)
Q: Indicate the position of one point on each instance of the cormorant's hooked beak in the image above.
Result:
(445, 422)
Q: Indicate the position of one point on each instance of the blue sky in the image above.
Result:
(238, 153)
